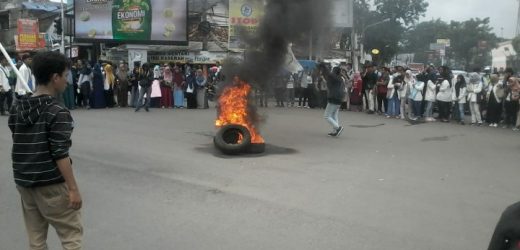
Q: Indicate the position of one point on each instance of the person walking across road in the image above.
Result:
(335, 86)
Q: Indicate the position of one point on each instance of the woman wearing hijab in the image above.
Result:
(201, 81)
(110, 81)
(415, 96)
(474, 89)
(178, 87)
(356, 95)
(85, 83)
(166, 87)
(191, 84)
(430, 99)
(403, 95)
(494, 101)
(156, 87)
(444, 95)
(123, 84)
(98, 98)
(459, 97)
(394, 103)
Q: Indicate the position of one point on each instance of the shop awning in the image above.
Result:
(45, 7)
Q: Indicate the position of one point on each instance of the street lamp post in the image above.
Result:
(362, 45)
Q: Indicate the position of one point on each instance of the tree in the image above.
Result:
(472, 41)
(386, 36)
(516, 44)
(406, 11)
(418, 38)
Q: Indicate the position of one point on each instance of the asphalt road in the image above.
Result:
(154, 181)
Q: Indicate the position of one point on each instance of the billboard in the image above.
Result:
(244, 18)
(343, 13)
(132, 21)
(28, 34)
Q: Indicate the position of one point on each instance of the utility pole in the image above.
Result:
(311, 45)
(518, 20)
(205, 20)
(62, 47)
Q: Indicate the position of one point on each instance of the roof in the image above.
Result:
(47, 7)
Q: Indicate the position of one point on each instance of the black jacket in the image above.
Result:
(41, 130)
(336, 89)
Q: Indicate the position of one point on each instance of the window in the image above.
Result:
(4, 22)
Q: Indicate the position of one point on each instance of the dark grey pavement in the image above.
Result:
(153, 181)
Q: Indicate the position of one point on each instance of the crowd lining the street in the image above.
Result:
(490, 98)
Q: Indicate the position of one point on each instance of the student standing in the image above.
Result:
(41, 130)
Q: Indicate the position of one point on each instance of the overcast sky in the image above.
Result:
(502, 13)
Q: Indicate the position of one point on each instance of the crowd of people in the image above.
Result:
(103, 85)
(489, 98)
(150, 86)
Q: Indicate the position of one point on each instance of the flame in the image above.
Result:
(233, 109)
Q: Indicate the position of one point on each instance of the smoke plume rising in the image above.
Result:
(285, 21)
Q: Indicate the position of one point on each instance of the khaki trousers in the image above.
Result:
(49, 205)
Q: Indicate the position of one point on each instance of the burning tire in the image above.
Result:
(233, 139)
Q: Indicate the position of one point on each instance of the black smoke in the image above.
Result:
(284, 22)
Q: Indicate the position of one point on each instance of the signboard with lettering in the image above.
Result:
(343, 13)
(185, 56)
(132, 21)
(28, 34)
(244, 18)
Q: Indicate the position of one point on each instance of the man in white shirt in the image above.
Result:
(5, 88)
(26, 73)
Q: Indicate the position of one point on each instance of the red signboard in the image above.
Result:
(28, 34)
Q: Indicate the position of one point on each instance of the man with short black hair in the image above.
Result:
(369, 83)
(335, 96)
(27, 75)
(41, 129)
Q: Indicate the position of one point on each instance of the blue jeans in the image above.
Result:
(332, 114)
(429, 110)
(144, 91)
(394, 106)
(460, 111)
(416, 107)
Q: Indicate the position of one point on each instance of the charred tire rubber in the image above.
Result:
(227, 139)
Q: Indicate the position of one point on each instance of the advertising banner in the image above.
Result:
(343, 13)
(132, 21)
(244, 18)
(203, 57)
(28, 34)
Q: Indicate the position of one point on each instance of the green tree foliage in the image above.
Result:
(405, 11)
(419, 37)
(386, 36)
(516, 44)
(471, 40)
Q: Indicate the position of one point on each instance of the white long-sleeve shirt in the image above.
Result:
(26, 74)
(473, 91)
(444, 94)
(4, 80)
